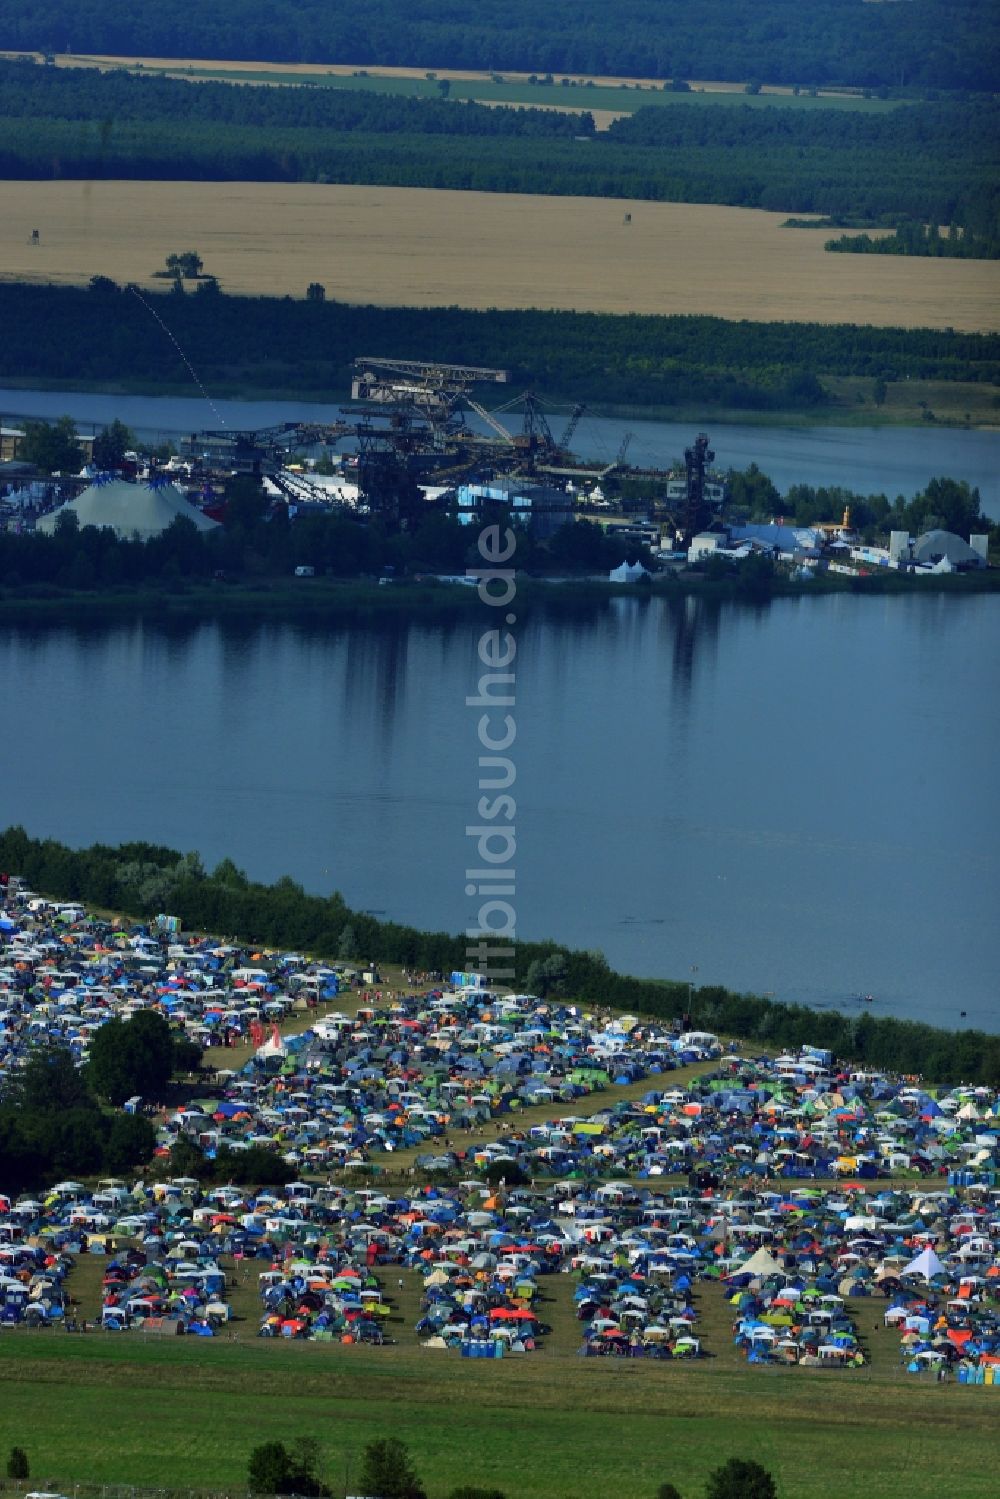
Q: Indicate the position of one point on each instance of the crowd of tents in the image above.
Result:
(796, 1269)
(810, 1186)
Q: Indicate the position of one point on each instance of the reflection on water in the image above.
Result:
(793, 797)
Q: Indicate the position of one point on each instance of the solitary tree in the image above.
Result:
(111, 445)
(51, 446)
(269, 1469)
(508, 1172)
(17, 1464)
(275, 1470)
(315, 292)
(740, 1478)
(132, 1056)
(668, 1491)
(188, 264)
(545, 975)
(387, 1471)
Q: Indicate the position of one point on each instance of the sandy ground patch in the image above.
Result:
(420, 247)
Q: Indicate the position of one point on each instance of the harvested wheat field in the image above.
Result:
(424, 248)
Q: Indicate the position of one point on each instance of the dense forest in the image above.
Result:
(87, 94)
(928, 162)
(945, 44)
(104, 333)
(284, 915)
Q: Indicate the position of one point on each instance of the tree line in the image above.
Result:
(923, 239)
(277, 343)
(945, 504)
(387, 1469)
(940, 159)
(946, 44)
(285, 915)
(88, 94)
(258, 540)
(932, 162)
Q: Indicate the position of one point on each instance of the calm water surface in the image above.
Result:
(797, 799)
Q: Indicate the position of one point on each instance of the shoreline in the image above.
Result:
(587, 976)
(831, 414)
(325, 601)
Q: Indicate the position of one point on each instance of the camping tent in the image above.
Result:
(762, 1263)
(926, 1265)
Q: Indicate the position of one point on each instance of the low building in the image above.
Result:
(9, 439)
(541, 508)
(788, 541)
(707, 544)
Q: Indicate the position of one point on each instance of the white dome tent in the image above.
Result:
(130, 510)
(628, 572)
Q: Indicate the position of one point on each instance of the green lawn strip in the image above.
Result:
(556, 1309)
(243, 1295)
(715, 1327)
(117, 1411)
(85, 1284)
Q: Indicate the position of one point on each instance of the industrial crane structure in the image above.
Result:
(696, 511)
(409, 427)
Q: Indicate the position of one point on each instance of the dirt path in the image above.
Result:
(399, 1162)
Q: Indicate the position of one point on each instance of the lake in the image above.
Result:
(797, 798)
(867, 460)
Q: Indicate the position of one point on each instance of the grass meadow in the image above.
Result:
(187, 1413)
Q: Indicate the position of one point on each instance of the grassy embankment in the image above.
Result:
(326, 601)
(849, 402)
(187, 1412)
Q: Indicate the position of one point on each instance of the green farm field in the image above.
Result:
(605, 95)
(186, 1414)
